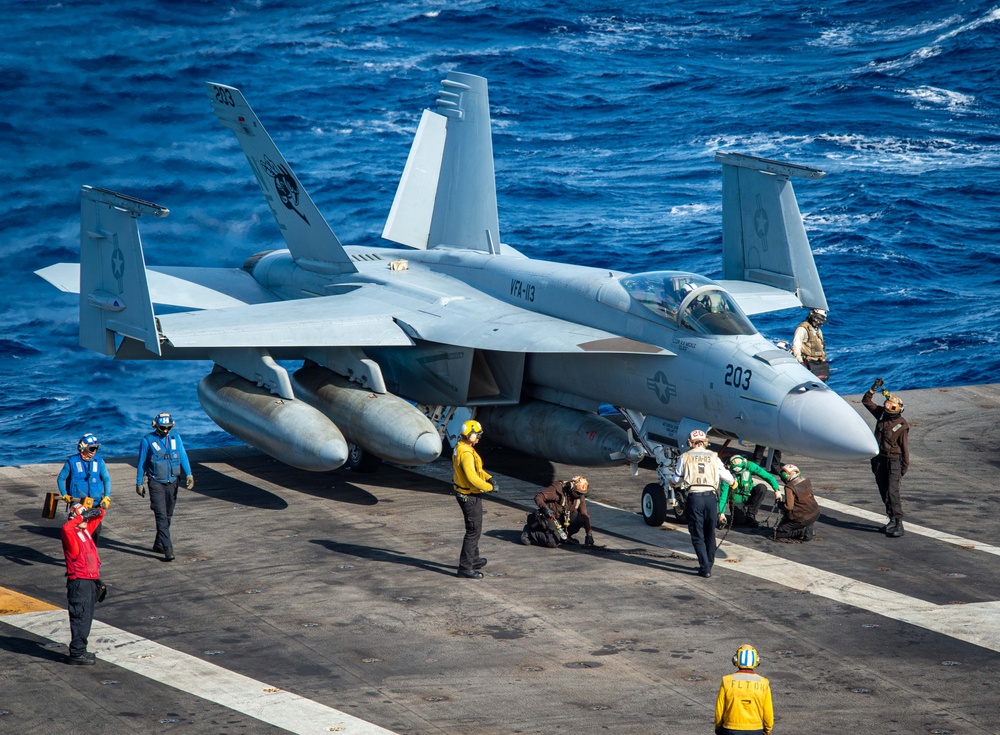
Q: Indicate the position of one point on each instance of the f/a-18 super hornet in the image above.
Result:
(394, 339)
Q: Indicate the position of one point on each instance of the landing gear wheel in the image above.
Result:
(360, 460)
(680, 510)
(654, 504)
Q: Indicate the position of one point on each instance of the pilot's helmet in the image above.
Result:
(471, 427)
(817, 316)
(712, 302)
(746, 657)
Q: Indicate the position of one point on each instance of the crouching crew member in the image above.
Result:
(470, 481)
(744, 705)
(83, 572)
(892, 433)
(562, 511)
(700, 470)
(746, 493)
(84, 478)
(162, 463)
(799, 509)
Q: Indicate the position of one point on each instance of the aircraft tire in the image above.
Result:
(361, 460)
(654, 504)
(680, 510)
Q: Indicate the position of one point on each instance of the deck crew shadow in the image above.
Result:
(374, 553)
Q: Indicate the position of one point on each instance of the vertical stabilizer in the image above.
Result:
(449, 173)
(114, 294)
(763, 239)
(310, 240)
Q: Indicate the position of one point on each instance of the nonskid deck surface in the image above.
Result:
(318, 603)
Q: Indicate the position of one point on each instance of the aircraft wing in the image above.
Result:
(373, 315)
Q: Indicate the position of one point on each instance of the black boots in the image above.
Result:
(894, 528)
(168, 553)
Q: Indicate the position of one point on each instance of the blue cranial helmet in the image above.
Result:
(163, 423)
(88, 442)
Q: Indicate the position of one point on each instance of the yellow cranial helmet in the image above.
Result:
(746, 657)
(471, 427)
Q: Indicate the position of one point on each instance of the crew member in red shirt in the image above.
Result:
(83, 567)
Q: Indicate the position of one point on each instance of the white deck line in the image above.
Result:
(976, 623)
(192, 675)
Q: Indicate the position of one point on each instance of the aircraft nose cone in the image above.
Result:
(427, 448)
(817, 422)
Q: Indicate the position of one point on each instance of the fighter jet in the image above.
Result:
(397, 341)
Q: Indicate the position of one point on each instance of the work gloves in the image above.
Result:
(140, 491)
(67, 498)
(877, 384)
(105, 501)
(547, 512)
(190, 482)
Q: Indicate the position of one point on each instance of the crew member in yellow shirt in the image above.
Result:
(470, 482)
(743, 706)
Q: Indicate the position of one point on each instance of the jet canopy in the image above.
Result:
(689, 301)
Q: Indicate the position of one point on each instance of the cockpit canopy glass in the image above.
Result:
(688, 300)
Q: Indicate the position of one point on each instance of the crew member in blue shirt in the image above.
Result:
(84, 475)
(162, 464)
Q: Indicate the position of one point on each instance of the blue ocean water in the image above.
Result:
(605, 125)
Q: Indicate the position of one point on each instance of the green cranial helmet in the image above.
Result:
(738, 463)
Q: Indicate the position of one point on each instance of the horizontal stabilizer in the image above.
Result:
(309, 238)
(187, 287)
(756, 298)
(763, 239)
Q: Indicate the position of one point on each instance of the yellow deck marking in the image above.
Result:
(13, 603)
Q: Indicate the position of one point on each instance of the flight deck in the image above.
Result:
(327, 602)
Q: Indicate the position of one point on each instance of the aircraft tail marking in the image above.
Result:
(308, 235)
(763, 238)
(114, 293)
(449, 173)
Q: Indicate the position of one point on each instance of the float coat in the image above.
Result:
(380, 423)
(292, 432)
(559, 434)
